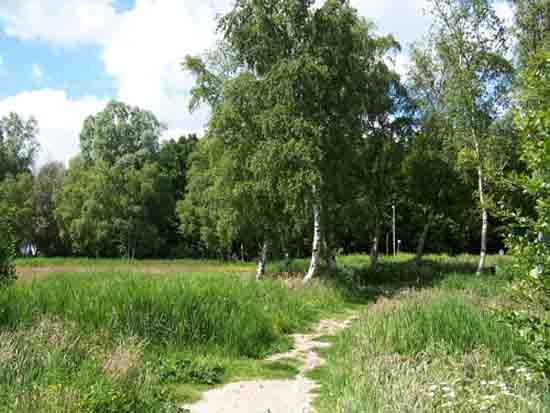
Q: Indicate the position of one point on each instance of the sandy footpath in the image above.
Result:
(275, 396)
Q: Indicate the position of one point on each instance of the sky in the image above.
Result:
(63, 60)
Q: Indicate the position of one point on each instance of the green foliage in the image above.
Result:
(18, 144)
(116, 200)
(529, 236)
(197, 370)
(532, 26)
(120, 130)
(16, 206)
(279, 140)
(7, 254)
(48, 185)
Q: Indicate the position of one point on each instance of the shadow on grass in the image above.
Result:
(362, 284)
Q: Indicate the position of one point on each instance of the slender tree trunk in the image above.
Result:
(287, 261)
(374, 250)
(484, 222)
(423, 237)
(262, 261)
(316, 247)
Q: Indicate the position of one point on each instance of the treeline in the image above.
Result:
(313, 138)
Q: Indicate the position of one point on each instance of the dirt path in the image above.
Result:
(275, 396)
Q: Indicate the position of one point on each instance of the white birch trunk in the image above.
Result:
(316, 247)
(422, 241)
(374, 250)
(287, 262)
(484, 222)
(262, 261)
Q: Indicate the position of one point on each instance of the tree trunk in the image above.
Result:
(374, 250)
(484, 222)
(422, 241)
(262, 261)
(287, 262)
(316, 247)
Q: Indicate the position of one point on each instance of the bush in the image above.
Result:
(200, 370)
(529, 239)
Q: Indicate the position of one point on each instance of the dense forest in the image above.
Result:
(314, 141)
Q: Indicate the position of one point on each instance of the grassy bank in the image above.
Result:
(121, 342)
(433, 349)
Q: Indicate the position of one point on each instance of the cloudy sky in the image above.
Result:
(62, 60)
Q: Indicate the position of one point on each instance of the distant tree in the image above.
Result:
(174, 162)
(434, 189)
(16, 206)
(86, 209)
(48, 184)
(18, 144)
(470, 43)
(112, 192)
(120, 130)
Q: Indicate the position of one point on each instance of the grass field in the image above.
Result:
(436, 346)
(115, 336)
(99, 336)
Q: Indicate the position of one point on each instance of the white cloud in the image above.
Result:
(143, 49)
(61, 22)
(146, 63)
(407, 20)
(36, 72)
(59, 118)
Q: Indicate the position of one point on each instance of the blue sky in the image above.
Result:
(62, 60)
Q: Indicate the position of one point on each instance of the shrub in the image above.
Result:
(529, 238)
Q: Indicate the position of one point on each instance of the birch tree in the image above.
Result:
(318, 65)
(470, 42)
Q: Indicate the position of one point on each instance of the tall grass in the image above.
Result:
(430, 351)
(449, 323)
(238, 316)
